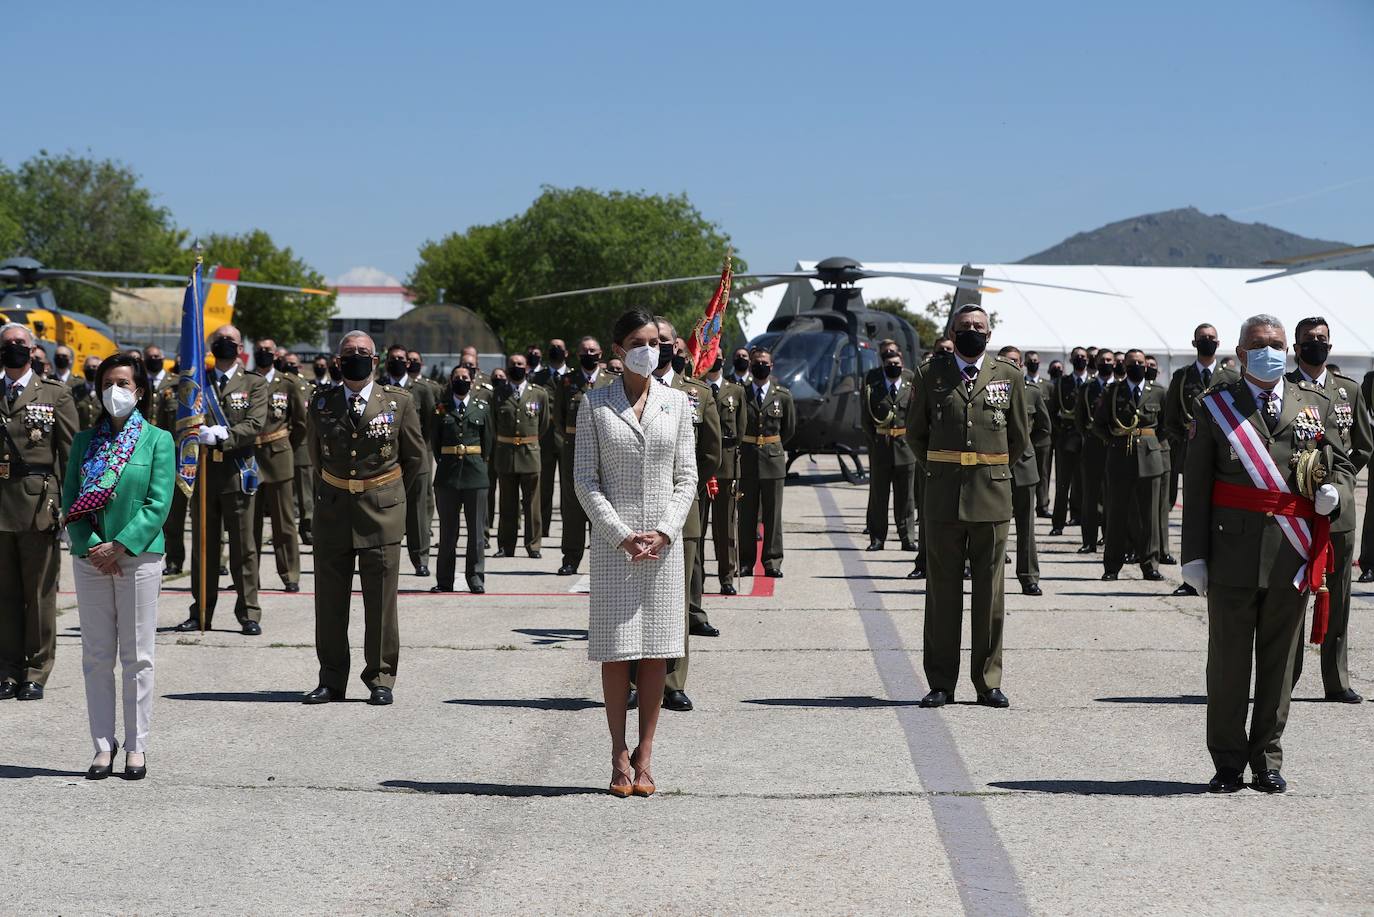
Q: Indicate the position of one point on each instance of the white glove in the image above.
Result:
(1195, 575)
(210, 436)
(1326, 500)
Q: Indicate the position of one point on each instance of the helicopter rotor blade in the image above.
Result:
(1363, 255)
(1315, 257)
(967, 284)
(762, 285)
(47, 273)
(108, 289)
(661, 283)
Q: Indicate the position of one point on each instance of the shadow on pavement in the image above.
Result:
(488, 789)
(247, 697)
(1170, 699)
(544, 636)
(15, 772)
(569, 704)
(1105, 787)
(848, 703)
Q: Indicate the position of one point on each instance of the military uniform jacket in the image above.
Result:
(283, 432)
(165, 416)
(34, 447)
(568, 394)
(386, 436)
(1061, 398)
(461, 468)
(245, 403)
(524, 417)
(299, 452)
(1040, 389)
(1181, 400)
(425, 398)
(777, 417)
(88, 405)
(1085, 409)
(1122, 425)
(945, 417)
(1350, 416)
(1025, 471)
(1243, 548)
(883, 416)
(730, 407)
(706, 426)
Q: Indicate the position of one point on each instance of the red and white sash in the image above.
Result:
(1264, 474)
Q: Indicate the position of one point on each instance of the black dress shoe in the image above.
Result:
(252, 629)
(1367, 576)
(937, 698)
(917, 572)
(1044, 514)
(874, 545)
(307, 538)
(8, 689)
(291, 587)
(1006, 558)
(773, 574)
(190, 625)
(502, 552)
(568, 570)
(1227, 780)
(1345, 697)
(534, 555)
(134, 773)
(1109, 577)
(909, 547)
(1087, 549)
(1185, 589)
(477, 589)
(29, 690)
(728, 589)
(994, 698)
(381, 696)
(102, 771)
(322, 695)
(1270, 781)
(422, 570)
(1057, 530)
(1031, 589)
(703, 630)
(677, 701)
(171, 570)
(1168, 560)
(440, 588)
(1073, 520)
(632, 702)
(1153, 576)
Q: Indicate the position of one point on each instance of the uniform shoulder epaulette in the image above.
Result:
(1343, 376)
(1312, 389)
(1010, 362)
(485, 385)
(782, 388)
(395, 389)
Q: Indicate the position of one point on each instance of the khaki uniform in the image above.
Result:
(521, 421)
(768, 427)
(725, 505)
(551, 446)
(1044, 448)
(706, 426)
(367, 464)
(1025, 473)
(1350, 416)
(1137, 459)
(420, 490)
(1254, 613)
(303, 484)
(570, 391)
(1186, 385)
(245, 402)
(1093, 468)
(174, 529)
(964, 432)
(282, 436)
(462, 443)
(36, 431)
(88, 405)
(1062, 402)
(891, 462)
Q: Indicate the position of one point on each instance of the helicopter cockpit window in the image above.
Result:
(804, 361)
(868, 360)
(847, 368)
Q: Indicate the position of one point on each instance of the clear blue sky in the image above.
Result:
(886, 131)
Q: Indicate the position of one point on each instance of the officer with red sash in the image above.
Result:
(1254, 527)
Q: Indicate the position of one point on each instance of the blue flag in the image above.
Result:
(191, 390)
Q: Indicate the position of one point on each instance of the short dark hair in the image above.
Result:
(971, 307)
(1312, 321)
(140, 373)
(755, 351)
(629, 323)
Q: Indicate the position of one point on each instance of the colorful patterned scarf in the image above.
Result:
(105, 459)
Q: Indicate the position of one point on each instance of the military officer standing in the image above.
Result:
(941, 344)
(550, 375)
(1350, 416)
(1128, 419)
(417, 500)
(725, 504)
(463, 439)
(1044, 443)
(1068, 442)
(282, 436)
(967, 416)
(891, 461)
(229, 495)
(522, 417)
(1025, 479)
(1237, 553)
(85, 397)
(1094, 455)
(37, 422)
(174, 529)
(303, 483)
(415, 365)
(1367, 536)
(571, 389)
(770, 419)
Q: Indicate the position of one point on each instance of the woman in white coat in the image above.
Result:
(635, 473)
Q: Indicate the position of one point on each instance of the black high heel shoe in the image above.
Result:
(101, 771)
(135, 773)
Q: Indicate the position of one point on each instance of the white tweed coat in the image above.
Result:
(635, 475)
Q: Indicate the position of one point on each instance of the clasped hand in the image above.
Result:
(105, 557)
(644, 545)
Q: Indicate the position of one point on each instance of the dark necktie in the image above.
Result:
(1270, 405)
(715, 388)
(970, 374)
(1206, 378)
(355, 408)
(1135, 394)
(221, 381)
(462, 409)
(13, 394)
(758, 397)
(892, 390)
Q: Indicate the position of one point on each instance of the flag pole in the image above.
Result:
(202, 546)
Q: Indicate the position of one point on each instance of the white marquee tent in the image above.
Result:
(1156, 310)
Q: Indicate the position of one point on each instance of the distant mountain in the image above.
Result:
(1186, 237)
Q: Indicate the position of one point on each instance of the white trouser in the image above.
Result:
(119, 612)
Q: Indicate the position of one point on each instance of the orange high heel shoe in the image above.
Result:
(646, 788)
(621, 791)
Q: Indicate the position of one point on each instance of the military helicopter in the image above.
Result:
(824, 354)
(1353, 256)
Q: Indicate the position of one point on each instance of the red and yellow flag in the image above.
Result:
(704, 345)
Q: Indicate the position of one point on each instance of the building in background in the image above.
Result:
(368, 300)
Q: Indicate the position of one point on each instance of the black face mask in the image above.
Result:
(741, 365)
(970, 343)
(717, 366)
(679, 363)
(264, 358)
(154, 365)
(533, 360)
(225, 349)
(413, 367)
(291, 368)
(557, 354)
(461, 387)
(1136, 372)
(1032, 366)
(1078, 363)
(90, 375)
(62, 362)
(665, 355)
(1205, 348)
(589, 361)
(1105, 371)
(613, 371)
(892, 370)
(761, 371)
(1056, 372)
(395, 367)
(1151, 373)
(1119, 371)
(335, 374)
(15, 354)
(321, 370)
(355, 367)
(516, 374)
(1314, 353)
(176, 368)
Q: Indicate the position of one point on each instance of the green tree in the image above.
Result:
(287, 318)
(10, 236)
(466, 268)
(938, 310)
(82, 213)
(926, 328)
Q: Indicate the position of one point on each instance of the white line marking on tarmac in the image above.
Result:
(583, 584)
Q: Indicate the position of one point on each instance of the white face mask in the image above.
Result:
(120, 402)
(642, 361)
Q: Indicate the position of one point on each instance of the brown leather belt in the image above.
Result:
(894, 432)
(20, 470)
(461, 450)
(356, 485)
(760, 440)
(518, 440)
(570, 431)
(266, 438)
(951, 457)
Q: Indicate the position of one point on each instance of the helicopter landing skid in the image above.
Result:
(857, 476)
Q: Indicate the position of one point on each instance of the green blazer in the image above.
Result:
(141, 501)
